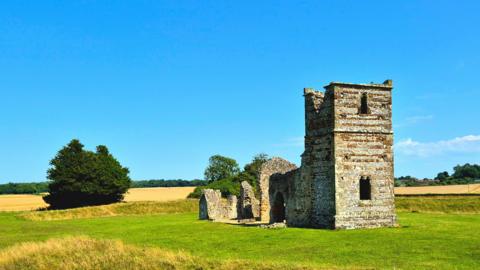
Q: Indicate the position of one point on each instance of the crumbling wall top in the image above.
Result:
(387, 85)
(311, 91)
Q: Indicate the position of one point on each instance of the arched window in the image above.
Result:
(364, 104)
(365, 188)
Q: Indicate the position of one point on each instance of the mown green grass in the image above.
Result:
(424, 240)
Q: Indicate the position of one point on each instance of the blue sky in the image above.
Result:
(166, 84)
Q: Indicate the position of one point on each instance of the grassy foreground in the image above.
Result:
(424, 241)
(83, 253)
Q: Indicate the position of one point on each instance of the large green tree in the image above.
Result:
(80, 178)
(230, 184)
(221, 167)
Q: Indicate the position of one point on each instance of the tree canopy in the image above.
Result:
(79, 177)
(221, 167)
(230, 185)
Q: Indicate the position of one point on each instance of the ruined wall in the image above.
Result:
(273, 167)
(249, 206)
(213, 207)
(348, 138)
(363, 145)
(316, 176)
(283, 197)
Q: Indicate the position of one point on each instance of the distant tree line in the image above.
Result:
(42, 187)
(168, 183)
(24, 188)
(462, 174)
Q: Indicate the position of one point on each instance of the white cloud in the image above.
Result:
(418, 118)
(465, 144)
(412, 120)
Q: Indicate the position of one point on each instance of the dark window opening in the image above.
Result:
(365, 189)
(364, 104)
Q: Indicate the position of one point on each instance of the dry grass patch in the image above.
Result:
(451, 189)
(85, 253)
(439, 204)
(117, 209)
(159, 194)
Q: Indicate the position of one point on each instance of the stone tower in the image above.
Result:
(349, 155)
(346, 177)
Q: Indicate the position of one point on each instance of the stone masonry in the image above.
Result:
(213, 207)
(249, 207)
(346, 177)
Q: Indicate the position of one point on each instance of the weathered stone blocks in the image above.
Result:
(213, 207)
(249, 205)
(346, 177)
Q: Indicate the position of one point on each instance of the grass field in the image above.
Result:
(435, 233)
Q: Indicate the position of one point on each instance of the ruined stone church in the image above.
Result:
(345, 180)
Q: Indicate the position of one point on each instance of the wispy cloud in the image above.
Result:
(412, 120)
(465, 144)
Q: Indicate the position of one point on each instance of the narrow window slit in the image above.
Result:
(365, 189)
(364, 104)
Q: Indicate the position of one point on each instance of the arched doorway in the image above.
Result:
(278, 209)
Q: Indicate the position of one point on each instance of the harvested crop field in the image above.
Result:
(30, 202)
(21, 202)
(453, 189)
(158, 194)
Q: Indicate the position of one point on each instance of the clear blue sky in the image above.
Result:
(166, 84)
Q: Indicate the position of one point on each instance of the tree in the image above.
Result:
(221, 167)
(251, 170)
(466, 171)
(254, 166)
(80, 178)
(442, 176)
(230, 185)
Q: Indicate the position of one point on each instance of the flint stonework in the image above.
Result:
(345, 180)
(249, 205)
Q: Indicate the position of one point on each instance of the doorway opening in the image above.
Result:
(278, 209)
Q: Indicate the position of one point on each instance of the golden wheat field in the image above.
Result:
(29, 202)
(453, 189)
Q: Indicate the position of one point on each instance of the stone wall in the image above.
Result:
(213, 207)
(273, 167)
(317, 159)
(363, 147)
(249, 206)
